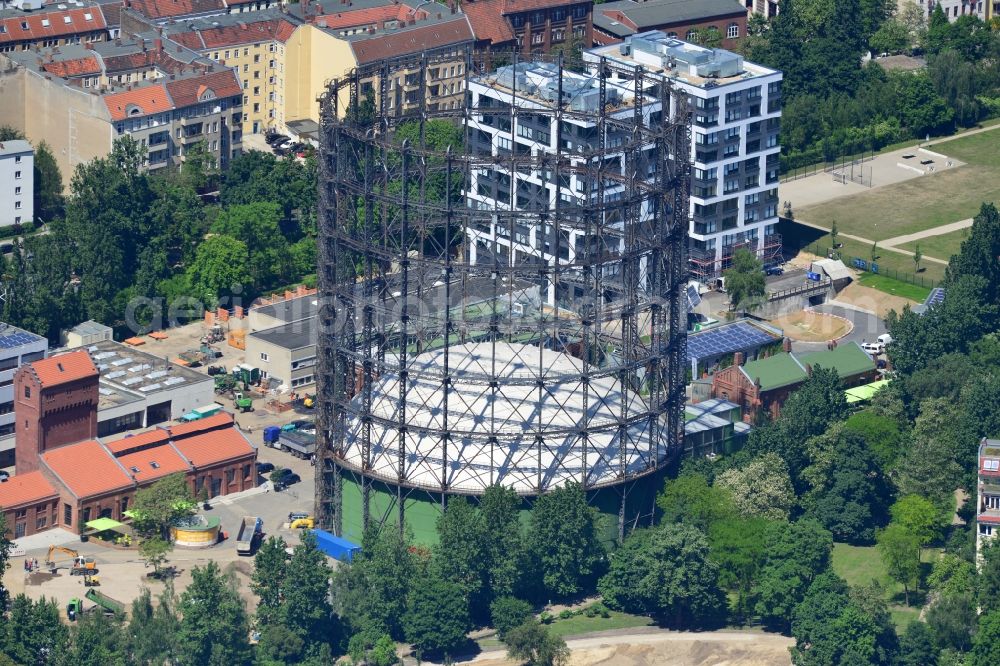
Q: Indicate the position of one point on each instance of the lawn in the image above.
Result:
(795, 237)
(860, 565)
(581, 624)
(942, 246)
(914, 205)
(894, 287)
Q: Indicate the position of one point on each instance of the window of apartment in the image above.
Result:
(227, 55)
(691, 35)
(751, 199)
(17, 174)
(270, 47)
(270, 63)
(579, 11)
(537, 37)
(215, 56)
(256, 91)
(256, 107)
(991, 465)
(41, 522)
(17, 159)
(246, 51)
(17, 190)
(230, 476)
(27, 391)
(256, 58)
(264, 356)
(6, 407)
(733, 31)
(256, 74)
(246, 68)
(17, 205)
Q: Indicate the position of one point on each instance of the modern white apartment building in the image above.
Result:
(736, 107)
(17, 182)
(17, 347)
(532, 87)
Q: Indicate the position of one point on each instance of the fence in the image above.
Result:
(872, 267)
(837, 164)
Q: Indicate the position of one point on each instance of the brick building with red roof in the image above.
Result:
(532, 27)
(69, 483)
(52, 26)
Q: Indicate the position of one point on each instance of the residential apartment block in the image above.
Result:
(254, 46)
(530, 26)
(17, 182)
(163, 95)
(684, 19)
(736, 107)
(768, 8)
(74, 22)
(988, 492)
(982, 9)
(17, 347)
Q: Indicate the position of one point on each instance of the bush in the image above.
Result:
(507, 613)
(565, 614)
(546, 617)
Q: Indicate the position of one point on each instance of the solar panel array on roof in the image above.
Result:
(726, 339)
(115, 374)
(17, 339)
(151, 387)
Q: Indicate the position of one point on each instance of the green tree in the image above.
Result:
(437, 615)
(152, 631)
(279, 645)
(916, 645)
(666, 572)
(153, 551)
(505, 543)
(8, 133)
(214, 630)
(6, 545)
(986, 647)
(461, 553)
(762, 488)
(952, 617)
(34, 631)
(372, 592)
(745, 281)
(900, 552)
(268, 580)
(221, 264)
(891, 37)
(257, 226)
(738, 547)
(978, 253)
(929, 467)
(952, 574)
(917, 256)
(306, 608)
(689, 499)
(94, 640)
(796, 553)
(507, 613)
(710, 37)
(919, 516)
(882, 435)
(533, 644)
(159, 505)
(48, 185)
(563, 541)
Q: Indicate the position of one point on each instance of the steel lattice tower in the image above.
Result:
(447, 363)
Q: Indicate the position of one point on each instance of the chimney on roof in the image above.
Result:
(451, 6)
(158, 45)
(739, 358)
(179, 49)
(786, 345)
(41, 61)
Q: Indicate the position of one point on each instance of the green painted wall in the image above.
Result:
(422, 508)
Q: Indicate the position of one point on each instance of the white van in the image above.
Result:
(873, 348)
(885, 339)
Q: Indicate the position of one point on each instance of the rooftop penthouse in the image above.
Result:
(681, 61)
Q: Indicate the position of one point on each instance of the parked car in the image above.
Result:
(873, 348)
(302, 424)
(291, 479)
(885, 339)
(274, 139)
(265, 468)
(774, 270)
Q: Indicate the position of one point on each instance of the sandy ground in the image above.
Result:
(873, 300)
(717, 648)
(807, 326)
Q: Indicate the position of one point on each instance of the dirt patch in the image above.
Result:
(809, 326)
(872, 300)
(676, 649)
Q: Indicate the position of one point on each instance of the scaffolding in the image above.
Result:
(447, 368)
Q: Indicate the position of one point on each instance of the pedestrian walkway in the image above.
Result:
(56, 536)
(880, 244)
(927, 233)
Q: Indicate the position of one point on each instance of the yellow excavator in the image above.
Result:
(82, 566)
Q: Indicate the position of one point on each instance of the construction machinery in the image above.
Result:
(110, 606)
(74, 608)
(243, 402)
(246, 373)
(90, 580)
(214, 334)
(251, 529)
(191, 358)
(225, 383)
(301, 521)
(81, 565)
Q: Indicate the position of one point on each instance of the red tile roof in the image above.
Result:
(230, 35)
(188, 92)
(214, 446)
(158, 436)
(155, 9)
(147, 99)
(165, 457)
(220, 420)
(68, 68)
(371, 16)
(29, 488)
(87, 469)
(64, 368)
(412, 40)
(517, 6)
(46, 25)
(487, 21)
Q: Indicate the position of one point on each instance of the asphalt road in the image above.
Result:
(867, 326)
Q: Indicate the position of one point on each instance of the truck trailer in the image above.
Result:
(336, 547)
(300, 444)
(250, 529)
